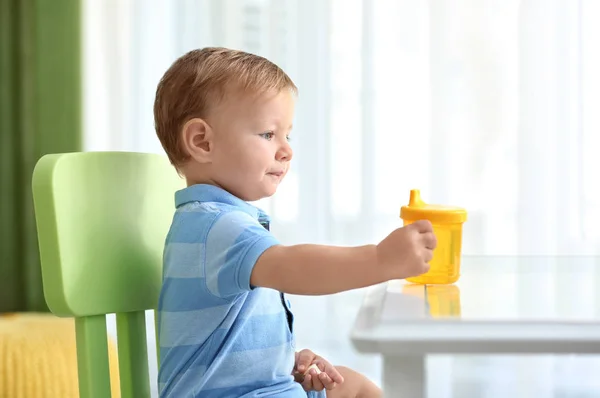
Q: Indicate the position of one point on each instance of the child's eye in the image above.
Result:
(267, 135)
(288, 138)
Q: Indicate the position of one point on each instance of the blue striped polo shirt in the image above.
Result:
(219, 336)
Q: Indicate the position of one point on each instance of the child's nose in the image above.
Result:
(284, 153)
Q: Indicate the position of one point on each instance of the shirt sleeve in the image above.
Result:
(234, 243)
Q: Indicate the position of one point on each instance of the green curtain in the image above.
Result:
(40, 113)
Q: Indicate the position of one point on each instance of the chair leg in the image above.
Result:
(133, 355)
(92, 357)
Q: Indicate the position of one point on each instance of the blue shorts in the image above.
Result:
(317, 394)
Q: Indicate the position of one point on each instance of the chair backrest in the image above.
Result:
(102, 219)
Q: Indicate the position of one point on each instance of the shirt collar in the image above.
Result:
(211, 193)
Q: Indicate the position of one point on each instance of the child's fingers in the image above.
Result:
(314, 367)
(327, 382)
(304, 359)
(331, 371)
(317, 385)
(307, 382)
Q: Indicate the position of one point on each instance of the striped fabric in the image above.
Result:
(218, 336)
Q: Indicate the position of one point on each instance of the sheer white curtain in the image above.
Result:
(491, 105)
(487, 104)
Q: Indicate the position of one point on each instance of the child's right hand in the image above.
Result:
(406, 252)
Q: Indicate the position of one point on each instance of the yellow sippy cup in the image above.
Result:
(447, 226)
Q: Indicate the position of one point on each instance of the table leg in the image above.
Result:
(404, 376)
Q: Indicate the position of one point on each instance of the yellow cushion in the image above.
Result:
(38, 357)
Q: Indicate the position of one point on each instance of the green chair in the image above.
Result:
(102, 218)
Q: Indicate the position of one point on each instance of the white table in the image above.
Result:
(500, 305)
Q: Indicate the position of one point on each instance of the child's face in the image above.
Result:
(251, 149)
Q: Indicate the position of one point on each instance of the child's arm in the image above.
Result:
(317, 269)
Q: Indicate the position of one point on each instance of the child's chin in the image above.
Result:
(270, 191)
(266, 193)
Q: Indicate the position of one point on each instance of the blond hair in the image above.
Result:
(199, 80)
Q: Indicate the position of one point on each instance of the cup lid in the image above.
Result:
(419, 210)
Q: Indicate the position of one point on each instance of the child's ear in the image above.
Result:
(198, 140)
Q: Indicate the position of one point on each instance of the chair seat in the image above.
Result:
(38, 357)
